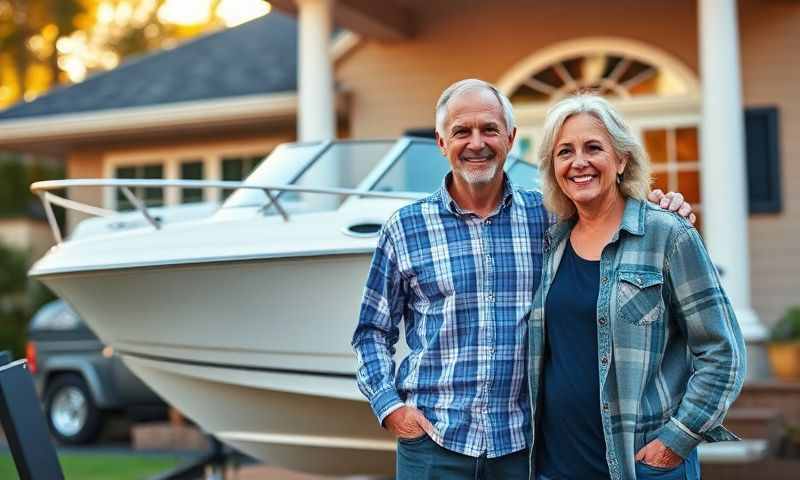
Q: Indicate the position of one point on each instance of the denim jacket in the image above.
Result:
(670, 352)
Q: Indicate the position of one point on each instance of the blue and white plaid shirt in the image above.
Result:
(463, 285)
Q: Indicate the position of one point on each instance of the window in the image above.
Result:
(675, 157)
(152, 197)
(192, 170)
(763, 160)
(236, 169)
(604, 73)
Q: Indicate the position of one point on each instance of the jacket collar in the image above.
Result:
(633, 222)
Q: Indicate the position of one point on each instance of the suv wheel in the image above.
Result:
(71, 413)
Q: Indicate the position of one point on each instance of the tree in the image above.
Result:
(48, 42)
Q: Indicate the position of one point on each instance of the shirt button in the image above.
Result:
(605, 407)
(602, 320)
(604, 360)
(604, 279)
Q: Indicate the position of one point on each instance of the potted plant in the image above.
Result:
(784, 347)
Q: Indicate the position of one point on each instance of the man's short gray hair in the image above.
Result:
(468, 85)
(636, 177)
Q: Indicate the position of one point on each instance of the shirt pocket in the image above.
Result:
(639, 300)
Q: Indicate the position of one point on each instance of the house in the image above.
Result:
(681, 71)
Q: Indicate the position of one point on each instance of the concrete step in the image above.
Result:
(743, 452)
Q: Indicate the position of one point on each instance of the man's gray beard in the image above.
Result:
(482, 176)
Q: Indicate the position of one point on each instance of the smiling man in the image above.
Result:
(459, 267)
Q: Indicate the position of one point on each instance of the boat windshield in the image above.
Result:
(323, 165)
(421, 168)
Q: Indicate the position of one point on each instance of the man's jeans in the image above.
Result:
(422, 459)
(688, 470)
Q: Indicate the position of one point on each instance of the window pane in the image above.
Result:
(122, 200)
(253, 163)
(686, 144)
(125, 172)
(153, 197)
(689, 186)
(655, 142)
(661, 180)
(232, 171)
(192, 171)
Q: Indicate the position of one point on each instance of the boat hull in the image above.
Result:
(256, 352)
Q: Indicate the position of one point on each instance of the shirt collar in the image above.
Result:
(454, 208)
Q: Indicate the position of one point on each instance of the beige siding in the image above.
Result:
(395, 85)
(86, 162)
(83, 164)
(770, 42)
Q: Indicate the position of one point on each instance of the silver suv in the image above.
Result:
(79, 379)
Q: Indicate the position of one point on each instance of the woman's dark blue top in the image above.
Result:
(569, 432)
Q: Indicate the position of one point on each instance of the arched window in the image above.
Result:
(656, 93)
(615, 75)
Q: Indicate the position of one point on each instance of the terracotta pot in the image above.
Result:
(785, 360)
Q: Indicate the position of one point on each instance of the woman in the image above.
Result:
(635, 353)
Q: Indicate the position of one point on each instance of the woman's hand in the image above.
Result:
(656, 454)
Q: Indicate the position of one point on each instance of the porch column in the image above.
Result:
(723, 166)
(316, 116)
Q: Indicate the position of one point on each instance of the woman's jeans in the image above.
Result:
(422, 459)
(688, 470)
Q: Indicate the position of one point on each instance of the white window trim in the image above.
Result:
(171, 157)
(644, 52)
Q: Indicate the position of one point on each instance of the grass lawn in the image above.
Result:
(101, 466)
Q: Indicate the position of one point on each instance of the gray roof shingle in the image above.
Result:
(258, 57)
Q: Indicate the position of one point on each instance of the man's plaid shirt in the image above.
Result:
(463, 286)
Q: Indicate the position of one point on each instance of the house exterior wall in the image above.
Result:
(83, 163)
(394, 86)
(770, 40)
(89, 162)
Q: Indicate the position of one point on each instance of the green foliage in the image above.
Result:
(19, 299)
(17, 173)
(788, 327)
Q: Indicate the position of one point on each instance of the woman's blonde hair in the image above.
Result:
(635, 181)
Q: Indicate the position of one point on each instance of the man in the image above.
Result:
(460, 268)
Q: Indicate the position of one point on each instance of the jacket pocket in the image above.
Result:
(639, 299)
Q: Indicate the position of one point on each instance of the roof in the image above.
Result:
(258, 57)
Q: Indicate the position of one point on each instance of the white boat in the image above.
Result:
(242, 319)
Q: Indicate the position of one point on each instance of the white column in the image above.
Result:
(723, 158)
(316, 116)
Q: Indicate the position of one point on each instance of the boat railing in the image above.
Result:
(43, 190)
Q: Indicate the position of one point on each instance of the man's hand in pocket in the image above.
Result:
(408, 422)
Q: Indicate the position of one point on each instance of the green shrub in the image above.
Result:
(20, 297)
(788, 327)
